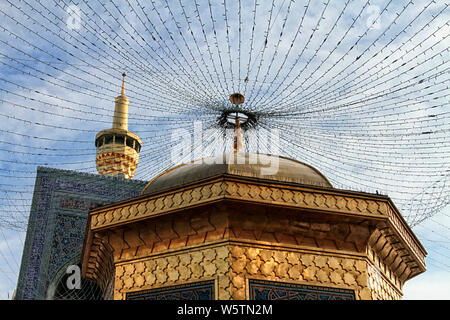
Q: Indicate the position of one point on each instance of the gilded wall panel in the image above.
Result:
(232, 265)
(296, 267)
(180, 267)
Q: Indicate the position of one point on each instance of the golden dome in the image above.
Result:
(259, 166)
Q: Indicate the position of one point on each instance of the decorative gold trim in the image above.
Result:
(224, 188)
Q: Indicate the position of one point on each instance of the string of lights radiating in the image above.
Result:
(321, 72)
(356, 88)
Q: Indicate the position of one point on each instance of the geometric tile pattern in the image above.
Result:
(58, 215)
(272, 290)
(194, 291)
(68, 232)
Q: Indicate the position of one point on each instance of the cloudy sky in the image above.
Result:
(357, 89)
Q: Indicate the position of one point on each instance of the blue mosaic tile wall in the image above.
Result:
(272, 290)
(194, 291)
(57, 221)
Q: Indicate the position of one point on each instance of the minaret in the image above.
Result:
(117, 148)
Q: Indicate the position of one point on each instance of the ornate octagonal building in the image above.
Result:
(220, 228)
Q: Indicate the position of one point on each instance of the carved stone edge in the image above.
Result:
(98, 264)
(335, 201)
(401, 230)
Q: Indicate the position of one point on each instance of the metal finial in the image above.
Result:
(123, 84)
(237, 99)
(237, 144)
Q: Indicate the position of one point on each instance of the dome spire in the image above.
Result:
(122, 92)
(117, 148)
(120, 120)
(237, 99)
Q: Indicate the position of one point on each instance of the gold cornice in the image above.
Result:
(398, 223)
(252, 181)
(241, 189)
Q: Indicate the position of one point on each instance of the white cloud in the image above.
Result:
(11, 247)
(428, 286)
